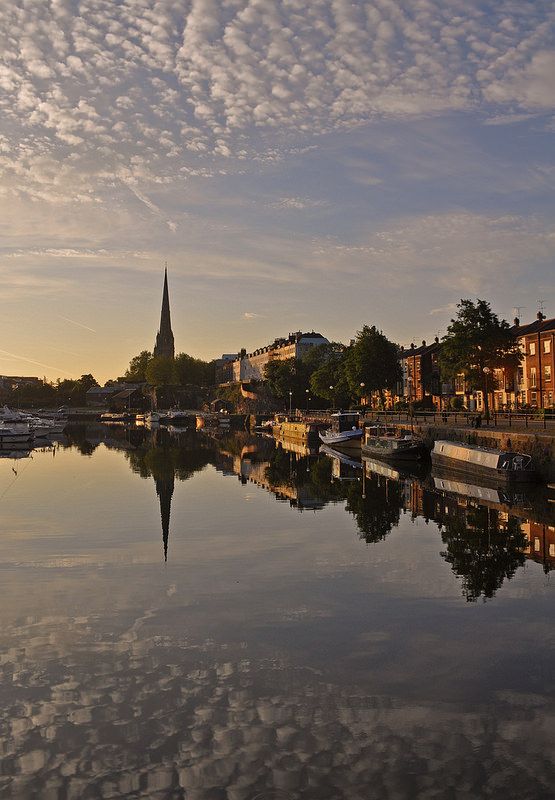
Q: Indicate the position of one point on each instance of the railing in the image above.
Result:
(532, 419)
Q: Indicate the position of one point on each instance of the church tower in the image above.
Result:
(164, 339)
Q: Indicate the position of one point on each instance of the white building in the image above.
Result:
(250, 366)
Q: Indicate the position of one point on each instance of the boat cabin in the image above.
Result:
(344, 421)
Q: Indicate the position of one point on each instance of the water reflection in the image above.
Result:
(274, 655)
(488, 532)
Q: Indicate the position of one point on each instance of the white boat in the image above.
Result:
(469, 459)
(41, 426)
(390, 444)
(344, 431)
(14, 434)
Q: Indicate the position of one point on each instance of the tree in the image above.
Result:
(136, 372)
(328, 380)
(374, 361)
(281, 377)
(190, 370)
(161, 371)
(476, 343)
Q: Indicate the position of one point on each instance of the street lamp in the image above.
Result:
(290, 401)
(332, 398)
(362, 385)
(307, 399)
(486, 371)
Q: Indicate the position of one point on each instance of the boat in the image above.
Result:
(14, 434)
(391, 444)
(469, 459)
(345, 431)
(175, 417)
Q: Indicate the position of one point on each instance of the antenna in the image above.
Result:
(517, 310)
(541, 305)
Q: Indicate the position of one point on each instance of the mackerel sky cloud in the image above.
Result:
(324, 163)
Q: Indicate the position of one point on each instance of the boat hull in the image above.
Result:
(345, 440)
(390, 450)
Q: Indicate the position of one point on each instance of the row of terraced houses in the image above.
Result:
(530, 385)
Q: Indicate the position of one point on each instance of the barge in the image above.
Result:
(470, 460)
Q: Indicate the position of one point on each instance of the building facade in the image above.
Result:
(250, 366)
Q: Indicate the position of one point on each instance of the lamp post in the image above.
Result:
(332, 398)
(486, 371)
(307, 391)
(362, 385)
(290, 400)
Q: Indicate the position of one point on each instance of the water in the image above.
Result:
(190, 618)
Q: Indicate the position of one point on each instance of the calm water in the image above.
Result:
(190, 618)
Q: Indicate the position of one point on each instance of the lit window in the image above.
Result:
(537, 544)
(546, 346)
(533, 377)
(532, 348)
(552, 549)
(547, 372)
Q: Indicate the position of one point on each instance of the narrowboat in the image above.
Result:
(469, 459)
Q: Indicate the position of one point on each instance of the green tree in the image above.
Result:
(136, 372)
(281, 377)
(190, 370)
(161, 371)
(328, 380)
(476, 343)
(374, 361)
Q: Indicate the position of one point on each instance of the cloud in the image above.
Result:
(297, 203)
(143, 93)
(250, 315)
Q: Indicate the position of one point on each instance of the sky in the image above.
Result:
(299, 164)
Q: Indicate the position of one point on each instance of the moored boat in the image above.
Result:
(15, 434)
(469, 459)
(391, 444)
(345, 432)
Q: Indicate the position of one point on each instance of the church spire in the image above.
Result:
(164, 340)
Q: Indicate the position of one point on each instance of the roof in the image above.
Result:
(424, 349)
(124, 395)
(538, 326)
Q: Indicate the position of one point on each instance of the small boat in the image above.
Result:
(469, 459)
(390, 444)
(345, 431)
(15, 434)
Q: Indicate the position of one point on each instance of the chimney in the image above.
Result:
(423, 342)
(436, 340)
(516, 322)
(540, 316)
(412, 345)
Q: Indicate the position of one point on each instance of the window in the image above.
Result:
(532, 348)
(552, 550)
(547, 373)
(546, 346)
(537, 544)
(533, 377)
